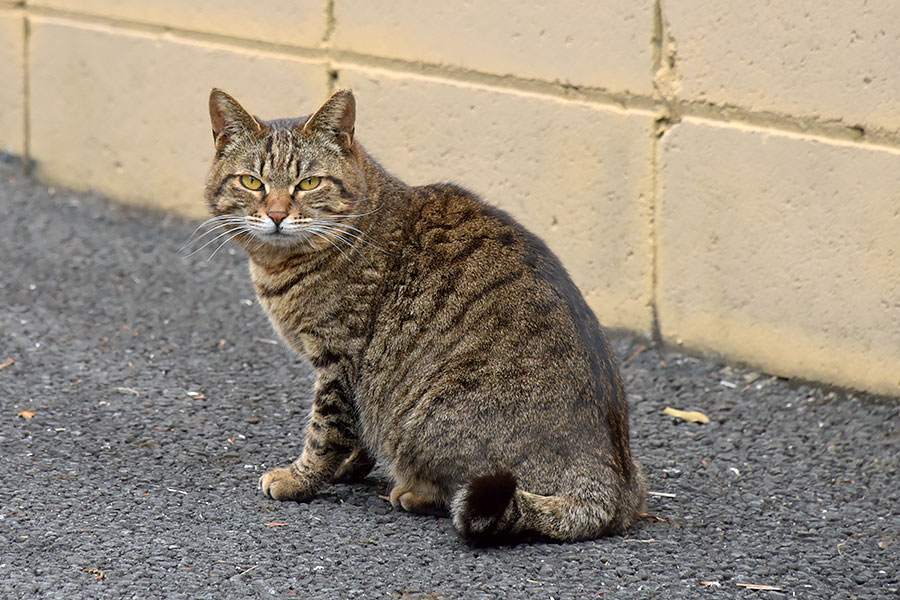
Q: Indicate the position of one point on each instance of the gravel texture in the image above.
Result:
(159, 395)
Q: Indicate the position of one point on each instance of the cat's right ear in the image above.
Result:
(336, 117)
(229, 119)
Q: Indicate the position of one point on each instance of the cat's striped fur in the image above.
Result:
(448, 341)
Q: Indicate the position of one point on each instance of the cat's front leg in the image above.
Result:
(331, 436)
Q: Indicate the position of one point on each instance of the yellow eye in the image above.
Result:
(250, 182)
(310, 183)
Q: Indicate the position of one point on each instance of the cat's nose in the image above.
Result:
(277, 217)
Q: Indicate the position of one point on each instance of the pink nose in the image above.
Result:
(277, 216)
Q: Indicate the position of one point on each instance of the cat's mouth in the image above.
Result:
(311, 234)
(275, 232)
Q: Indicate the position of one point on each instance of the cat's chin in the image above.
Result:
(277, 241)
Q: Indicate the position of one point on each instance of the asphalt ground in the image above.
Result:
(142, 395)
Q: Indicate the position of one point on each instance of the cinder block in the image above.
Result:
(126, 113)
(782, 251)
(292, 22)
(576, 174)
(12, 74)
(582, 42)
(831, 59)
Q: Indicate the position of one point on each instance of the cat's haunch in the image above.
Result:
(449, 342)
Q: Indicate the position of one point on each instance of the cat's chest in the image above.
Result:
(286, 300)
(320, 310)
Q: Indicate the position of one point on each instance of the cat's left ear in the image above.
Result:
(229, 119)
(337, 117)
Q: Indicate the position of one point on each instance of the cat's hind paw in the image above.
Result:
(420, 501)
(355, 468)
(280, 484)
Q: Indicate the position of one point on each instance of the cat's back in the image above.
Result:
(483, 318)
(465, 255)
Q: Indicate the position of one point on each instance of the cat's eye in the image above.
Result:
(251, 183)
(310, 183)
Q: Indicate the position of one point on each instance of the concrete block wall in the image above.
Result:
(725, 177)
(12, 74)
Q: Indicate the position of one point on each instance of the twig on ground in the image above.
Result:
(635, 353)
(760, 586)
(656, 518)
(661, 494)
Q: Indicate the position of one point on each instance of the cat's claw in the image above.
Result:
(280, 484)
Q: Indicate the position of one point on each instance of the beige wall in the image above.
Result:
(727, 175)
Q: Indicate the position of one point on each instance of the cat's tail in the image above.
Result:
(492, 510)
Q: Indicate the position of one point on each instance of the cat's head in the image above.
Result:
(286, 183)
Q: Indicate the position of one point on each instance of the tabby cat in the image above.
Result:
(449, 342)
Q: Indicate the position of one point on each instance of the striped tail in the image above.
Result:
(492, 510)
(485, 510)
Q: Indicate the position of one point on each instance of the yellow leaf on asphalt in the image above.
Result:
(100, 573)
(692, 416)
(26, 414)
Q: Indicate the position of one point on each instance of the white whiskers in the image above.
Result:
(218, 221)
(333, 229)
(355, 233)
(227, 226)
(342, 233)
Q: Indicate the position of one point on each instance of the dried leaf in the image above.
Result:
(273, 524)
(692, 416)
(26, 414)
(7, 363)
(361, 541)
(100, 574)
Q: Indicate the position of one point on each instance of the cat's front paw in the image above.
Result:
(280, 484)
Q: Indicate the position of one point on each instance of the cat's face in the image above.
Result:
(288, 183)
